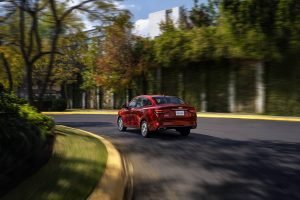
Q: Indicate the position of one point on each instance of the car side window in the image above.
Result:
(139, 103)
(132, 103)
(146, 102)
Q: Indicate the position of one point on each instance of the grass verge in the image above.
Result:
(77, 163)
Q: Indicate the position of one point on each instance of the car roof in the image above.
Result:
(155, 95)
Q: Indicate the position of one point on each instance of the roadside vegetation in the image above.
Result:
(221, 56)
(73, 171)
(26, 139)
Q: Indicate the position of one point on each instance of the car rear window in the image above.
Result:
(167, 100)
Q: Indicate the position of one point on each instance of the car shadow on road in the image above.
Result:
(86, 124)
(163, 135)
(228, 169)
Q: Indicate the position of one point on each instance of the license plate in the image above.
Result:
(179, 113)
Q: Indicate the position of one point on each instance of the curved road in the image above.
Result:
(221, 159)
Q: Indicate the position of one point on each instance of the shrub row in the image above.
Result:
(52, 104)
(25, 140)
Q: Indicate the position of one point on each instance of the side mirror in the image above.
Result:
(125, 105)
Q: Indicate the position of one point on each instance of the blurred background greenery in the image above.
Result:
(225, 56)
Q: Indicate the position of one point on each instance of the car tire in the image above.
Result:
(144, 129)
(184, 131)
(120, 124)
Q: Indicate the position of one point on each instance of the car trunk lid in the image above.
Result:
(169, 111)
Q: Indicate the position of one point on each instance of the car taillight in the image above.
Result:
(158, 113)
(193, 111)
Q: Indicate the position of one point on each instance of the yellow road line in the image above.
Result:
(82, 113)
(255, 117)
(204, 115)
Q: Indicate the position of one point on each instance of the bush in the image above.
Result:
(51, 104)
(59, 105)
(43, 122)
(23, 139)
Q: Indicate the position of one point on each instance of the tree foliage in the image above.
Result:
(11, 72)
(170, 47)
(221, 29)
(233, 29)
(38, 27)
(204, 14)
(115, 63)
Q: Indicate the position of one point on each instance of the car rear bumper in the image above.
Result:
(174, 124)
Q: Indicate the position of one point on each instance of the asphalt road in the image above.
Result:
(221, 159)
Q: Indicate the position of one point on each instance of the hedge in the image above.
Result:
(26, 138)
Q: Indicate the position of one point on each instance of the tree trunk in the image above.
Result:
(203, 102)
(70, 97)
(8, 72)
(51, 62)
(101, 99)
(130, 95)
(29, 84)
(158, 80)
(98, 98)
(113, 102)
(64, 90)
(260, 88)
(180, 85)
(54, 40)
(83, 102)
(145, 83)
(232, 90)
(27, 63)
(92, 98)
(205, 89)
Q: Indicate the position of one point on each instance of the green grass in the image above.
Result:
(75, 168)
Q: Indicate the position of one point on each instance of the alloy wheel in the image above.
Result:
(144, 129)
(121, 126)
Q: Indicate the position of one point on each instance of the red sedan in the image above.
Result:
(151, 113)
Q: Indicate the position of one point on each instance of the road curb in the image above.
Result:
(114, 181)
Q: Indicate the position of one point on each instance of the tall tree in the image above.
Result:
(143, 55)
(204, 14)
(9, 55)
(170, 47)
(115, 66)
(68, 64)
(29, 39)
(259, 31)
(7, 70)
(11, 72)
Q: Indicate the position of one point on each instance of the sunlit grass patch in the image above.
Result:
(76, 166)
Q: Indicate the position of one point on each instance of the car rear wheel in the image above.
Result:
(184, 131)
(121, 126)
(144, 129)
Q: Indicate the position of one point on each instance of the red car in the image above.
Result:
(151, 113)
